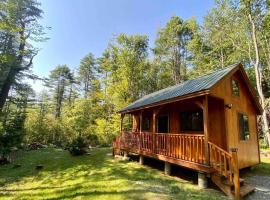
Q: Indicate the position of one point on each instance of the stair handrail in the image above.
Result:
(226, 164)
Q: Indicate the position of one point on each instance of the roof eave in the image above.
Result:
(167, 101)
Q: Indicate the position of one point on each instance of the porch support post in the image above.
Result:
(141, 118)
(141, 160)
(125, 157)
(167, 168)
(154, 121)
(205, 128)
(134, 122)
(202, 180)
(121, 126)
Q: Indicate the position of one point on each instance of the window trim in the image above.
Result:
(238, 126)
(237, 82)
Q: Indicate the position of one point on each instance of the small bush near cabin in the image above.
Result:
(78, 146)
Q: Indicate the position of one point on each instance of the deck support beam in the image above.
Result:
(167, 168)
(141, 160)
(202, 180)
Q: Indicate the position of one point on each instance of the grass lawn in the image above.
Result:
(263, 168)
(95, 176)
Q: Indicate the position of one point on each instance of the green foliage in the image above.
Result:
(171, 50)
(86, 74)
(11, 132)
(84, 102)
(19, 24)
(78, 146)
(58, 81)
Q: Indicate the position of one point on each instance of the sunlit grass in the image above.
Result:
(95, 176)
(263, 168)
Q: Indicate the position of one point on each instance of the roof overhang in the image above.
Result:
(179, 98)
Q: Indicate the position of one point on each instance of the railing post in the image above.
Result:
(236, 181)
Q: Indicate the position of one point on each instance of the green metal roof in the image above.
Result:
(187, 87)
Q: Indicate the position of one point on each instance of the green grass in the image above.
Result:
(263, 168)
(95, 176)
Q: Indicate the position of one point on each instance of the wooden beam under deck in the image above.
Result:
(183, 163)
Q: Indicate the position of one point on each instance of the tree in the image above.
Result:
(171, 48)
(19, 24)
(58, 81)
(12, 128)
(253, 11)
(86, 73)
(125, 65)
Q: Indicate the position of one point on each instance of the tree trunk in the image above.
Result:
(259, 81)
(6, 87)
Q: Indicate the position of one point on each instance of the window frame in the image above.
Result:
(237, 84)
(191, 130)
(238, 123)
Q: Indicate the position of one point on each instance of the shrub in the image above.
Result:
(78, 146)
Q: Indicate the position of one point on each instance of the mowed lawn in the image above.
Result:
(94, 176)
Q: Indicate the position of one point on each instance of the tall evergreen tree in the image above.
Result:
(58, 81)
(86, 73)
(171, 48)
(19, 24)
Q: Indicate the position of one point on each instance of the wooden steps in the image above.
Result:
(246, 190)
(229, 183)
(228, 187)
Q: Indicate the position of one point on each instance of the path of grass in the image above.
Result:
(95, 176)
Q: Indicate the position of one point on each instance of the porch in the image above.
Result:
(188, 133)
(187, 150)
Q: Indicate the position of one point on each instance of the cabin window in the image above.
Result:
(146, 123)
(243, 126)
(191, 121)
(235, 88)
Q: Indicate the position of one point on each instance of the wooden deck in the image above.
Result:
(182, 149)
(187, 150)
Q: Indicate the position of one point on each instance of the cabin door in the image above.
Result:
(163, 124)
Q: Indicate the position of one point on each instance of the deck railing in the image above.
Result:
(189, 147)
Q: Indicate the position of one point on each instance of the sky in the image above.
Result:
(82, 26)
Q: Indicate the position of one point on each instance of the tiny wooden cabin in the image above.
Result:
(207, 124)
